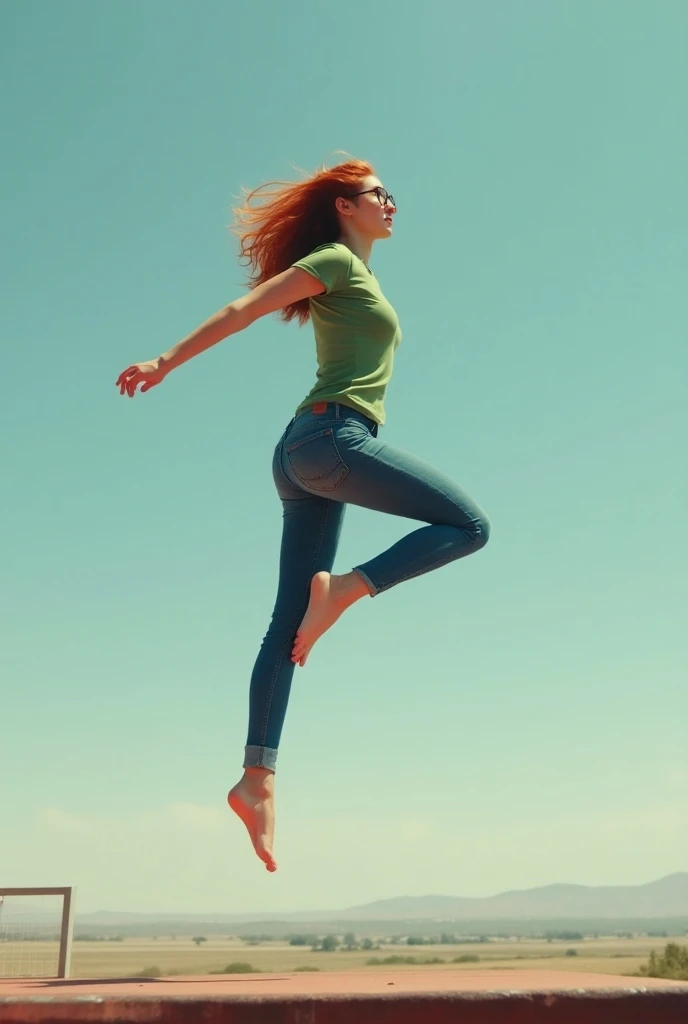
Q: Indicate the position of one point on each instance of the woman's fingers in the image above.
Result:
(124, 379)
(121, 380)
(138, 373)
(128, 380)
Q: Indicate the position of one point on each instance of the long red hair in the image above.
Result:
(293, 219)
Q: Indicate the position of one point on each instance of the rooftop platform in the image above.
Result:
(370, 997)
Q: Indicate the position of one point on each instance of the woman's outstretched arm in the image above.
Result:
(280, 291)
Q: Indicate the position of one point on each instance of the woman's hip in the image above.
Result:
(343, 459)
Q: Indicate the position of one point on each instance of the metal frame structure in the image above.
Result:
(67, 925)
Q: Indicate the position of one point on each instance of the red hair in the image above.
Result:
(293, 219)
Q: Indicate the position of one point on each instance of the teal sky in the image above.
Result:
(513, 720)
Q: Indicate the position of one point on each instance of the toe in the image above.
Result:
(267, 857)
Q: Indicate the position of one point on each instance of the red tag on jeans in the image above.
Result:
(320, 407)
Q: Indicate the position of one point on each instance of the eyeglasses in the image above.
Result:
(381, 193)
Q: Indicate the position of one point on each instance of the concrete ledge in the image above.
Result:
(375, 997)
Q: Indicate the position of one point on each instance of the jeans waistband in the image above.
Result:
(337, 410)
(325, 409)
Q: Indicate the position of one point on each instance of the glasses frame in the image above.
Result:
(377, 190)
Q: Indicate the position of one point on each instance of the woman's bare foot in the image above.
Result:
(330, 596)
(253, 800)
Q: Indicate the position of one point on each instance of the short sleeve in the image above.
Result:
(330, 264)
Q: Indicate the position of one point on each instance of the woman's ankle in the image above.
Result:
(258, 779)
(353, 586)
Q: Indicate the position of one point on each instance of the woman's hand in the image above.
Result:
(146, 374)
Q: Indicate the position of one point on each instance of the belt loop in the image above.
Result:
(336, 410)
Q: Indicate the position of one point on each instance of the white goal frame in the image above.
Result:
(67, 926)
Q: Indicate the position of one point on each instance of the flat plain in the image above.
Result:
(165, 955)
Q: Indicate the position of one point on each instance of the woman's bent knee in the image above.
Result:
(471, 536)
(482, 532)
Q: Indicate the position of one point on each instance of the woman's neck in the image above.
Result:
(361, 247)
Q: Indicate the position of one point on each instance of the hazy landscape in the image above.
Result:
(665, 898)
(556, 929)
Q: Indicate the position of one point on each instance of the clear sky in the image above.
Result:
(512, 720)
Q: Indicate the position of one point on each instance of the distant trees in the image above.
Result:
(238, 967)
(444, 939)
(199, 939)
(303, 940)
(672, 963)
(376, 961)
(327, 944)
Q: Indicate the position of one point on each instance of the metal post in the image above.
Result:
(66, 933)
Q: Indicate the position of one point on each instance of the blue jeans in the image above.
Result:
(322, 462)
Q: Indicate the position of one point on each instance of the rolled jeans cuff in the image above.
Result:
(367, 580)
(260, 757)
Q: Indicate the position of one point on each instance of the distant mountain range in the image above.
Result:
(667, 897)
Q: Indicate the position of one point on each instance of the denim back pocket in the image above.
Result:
(316, 462)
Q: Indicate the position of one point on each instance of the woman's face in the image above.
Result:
(371, 213)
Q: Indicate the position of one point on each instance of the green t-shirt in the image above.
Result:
(356, 332)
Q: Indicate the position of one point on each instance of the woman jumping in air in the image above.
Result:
(309, 246)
